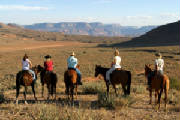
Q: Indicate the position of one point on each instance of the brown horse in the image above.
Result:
(122, 77)
(25, 78)
(50, 79)
(159, 83)
(70, 80)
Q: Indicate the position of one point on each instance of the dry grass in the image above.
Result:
(133, 107)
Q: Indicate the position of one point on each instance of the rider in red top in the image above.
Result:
(48, 64)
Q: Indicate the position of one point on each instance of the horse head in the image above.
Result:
(40, 68)
(97, 70)
(147, 69)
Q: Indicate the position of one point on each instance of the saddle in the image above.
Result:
(71, 69)
(118, 69)
(26, 71)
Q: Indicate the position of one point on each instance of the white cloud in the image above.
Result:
(170, 15)
(144, 17)
(22, 7)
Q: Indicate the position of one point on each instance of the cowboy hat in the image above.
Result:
(47, 56)
(72, 54)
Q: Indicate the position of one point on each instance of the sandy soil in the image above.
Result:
(36, 45)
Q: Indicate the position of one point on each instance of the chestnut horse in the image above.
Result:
(50, 79)
(122, 77)
(25, 78)
(159, 83)
(70, 80)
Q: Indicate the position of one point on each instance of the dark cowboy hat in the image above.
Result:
(47, 56)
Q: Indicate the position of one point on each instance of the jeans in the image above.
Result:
(33, 73)
(160, 72)
(79, 74)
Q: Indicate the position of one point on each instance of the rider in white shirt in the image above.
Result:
(26, 65)
(115, 64)
(159, 64)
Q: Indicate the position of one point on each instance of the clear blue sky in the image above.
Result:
(124, 12)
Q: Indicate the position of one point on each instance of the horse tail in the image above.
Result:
(129, 82)
(166, 84)
(53, 82)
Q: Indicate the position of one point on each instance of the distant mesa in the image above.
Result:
(92, 29)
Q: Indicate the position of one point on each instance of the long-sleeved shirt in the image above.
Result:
(72, 62)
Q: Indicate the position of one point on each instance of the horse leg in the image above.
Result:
(124, 89)
(72, 92)
(165, 98)
(34, 92)
(55, 91)
(42, 92)
(48, 87)
(159, 97)
(150, 95)
(156, 94)
(76, 92)
(115, 90)
(25, 90)
(107, 85)
(17, 93)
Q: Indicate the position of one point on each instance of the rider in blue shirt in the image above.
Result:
(72, 64)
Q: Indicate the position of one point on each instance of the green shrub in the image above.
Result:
(2, 98)
(112, 101)
(92, 88)
(174, 83)
(106, 101)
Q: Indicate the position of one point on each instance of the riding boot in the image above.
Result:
(79, 80)
(108, 82)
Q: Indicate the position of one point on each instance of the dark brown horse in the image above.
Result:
(50, 79)
(70, 80)
(25, 78)
(159, 83)
(122, 77)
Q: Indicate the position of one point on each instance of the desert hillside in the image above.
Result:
(164, 35)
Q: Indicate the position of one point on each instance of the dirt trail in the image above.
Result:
(36, 45)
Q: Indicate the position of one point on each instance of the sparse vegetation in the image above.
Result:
(93, 88)
(112, 101)
(92, 103)
(174, 83)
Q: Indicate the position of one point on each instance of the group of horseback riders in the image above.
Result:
(72, 63)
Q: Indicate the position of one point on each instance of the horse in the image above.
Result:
(122, 77)
(70, 80)
(159, 83)
(50, 79)
(25, 79)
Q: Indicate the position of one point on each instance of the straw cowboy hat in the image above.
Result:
(47, 56)
(72, 54)
(116, 52)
